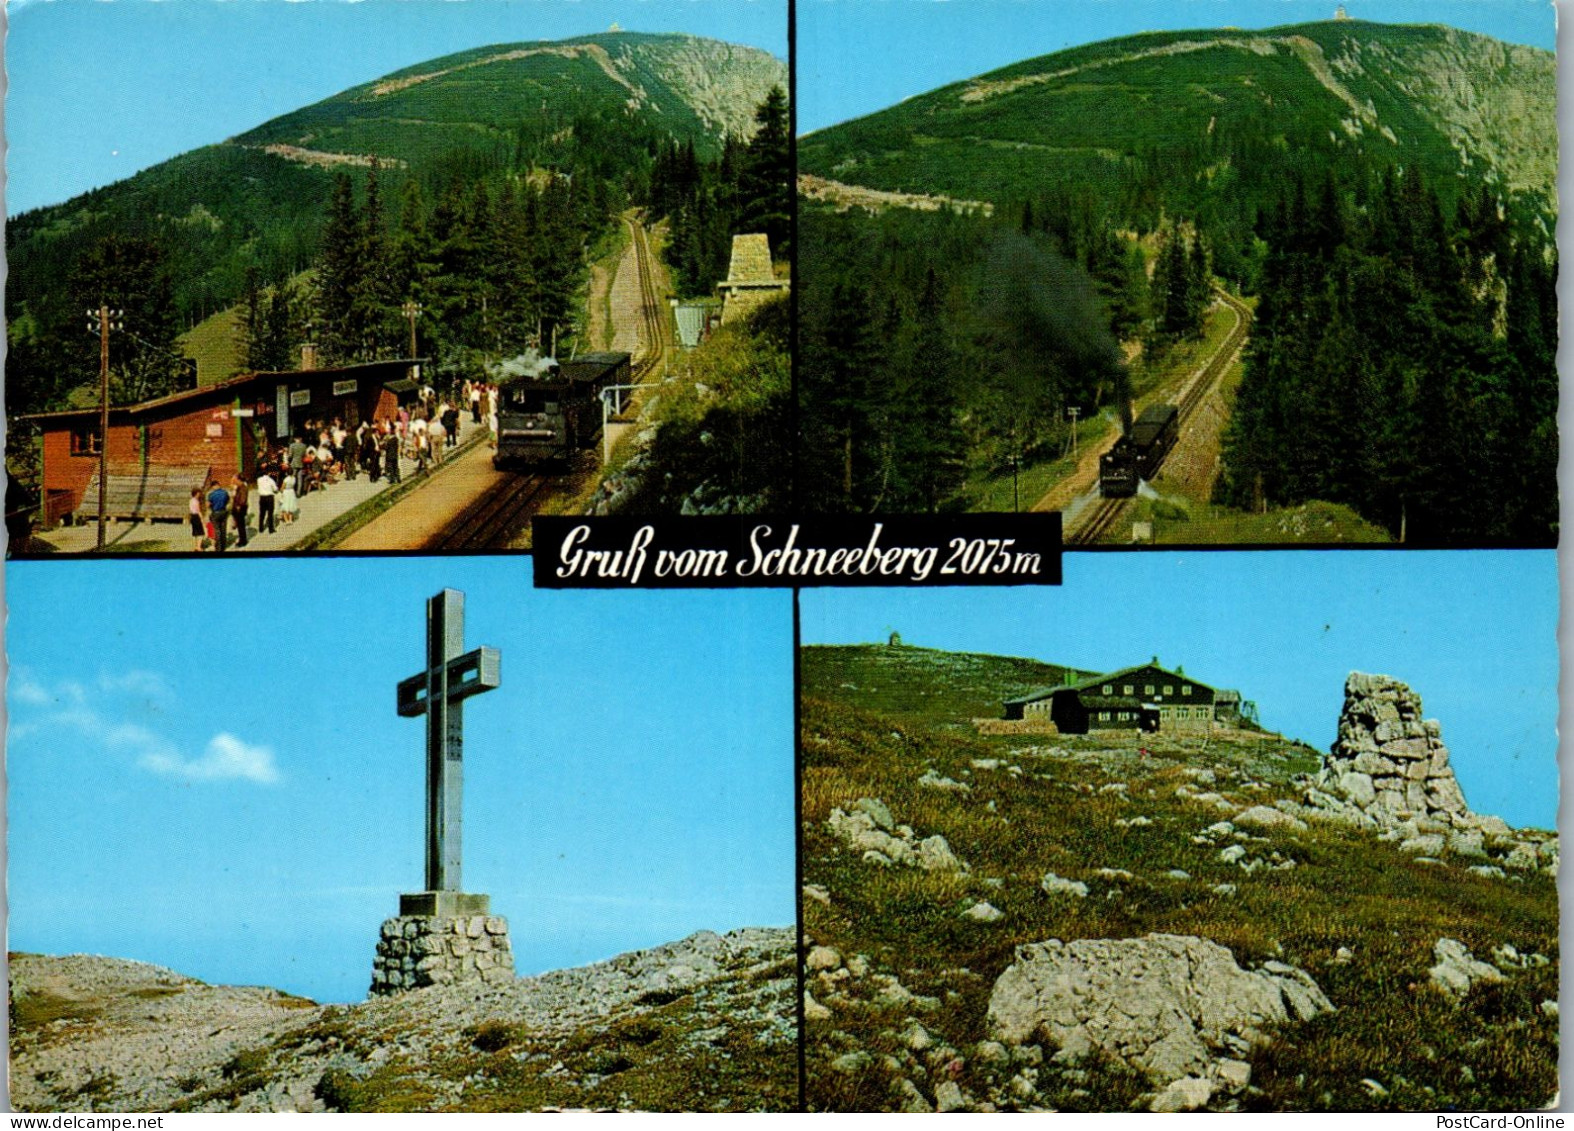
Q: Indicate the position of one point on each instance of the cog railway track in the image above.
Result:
(1100, 515)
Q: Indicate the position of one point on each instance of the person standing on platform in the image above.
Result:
(199, 533)
(371, 458)
(422, 451)
(437, 435)
(475, 402)
(240, 503)
(350, 453)
(297, 459)
(289, 501)
(267, 488)
(391, 454)
(218, 515)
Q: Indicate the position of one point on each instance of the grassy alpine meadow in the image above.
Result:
(898, 1015)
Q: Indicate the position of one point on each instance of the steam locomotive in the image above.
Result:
(552, 410)
(1138, 454)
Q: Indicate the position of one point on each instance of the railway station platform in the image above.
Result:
(318, 510)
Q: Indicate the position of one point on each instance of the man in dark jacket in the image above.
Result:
(240, 500)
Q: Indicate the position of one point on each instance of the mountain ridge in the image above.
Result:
(707, 1021)
(1457, 102)
(258, 198)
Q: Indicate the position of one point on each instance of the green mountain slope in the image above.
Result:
(258, 199)
(1213, 121)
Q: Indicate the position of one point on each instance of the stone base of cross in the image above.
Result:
(416, 951)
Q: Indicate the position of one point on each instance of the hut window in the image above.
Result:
(1103, 716)
(1169, 689)
(1147, 689)
(84, 440)
(1128, 689)
(1185, 689)
(1108, 690)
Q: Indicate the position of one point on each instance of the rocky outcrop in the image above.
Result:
(1389, 770)
(871, 830)
(1457, 969)
(1387, 760)
(1173, 1006)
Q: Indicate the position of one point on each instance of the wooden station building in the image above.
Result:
(1146, 698)
(160, 449)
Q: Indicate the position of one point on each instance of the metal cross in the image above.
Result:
(439, 693)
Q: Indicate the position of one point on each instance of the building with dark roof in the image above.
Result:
(1146, 698)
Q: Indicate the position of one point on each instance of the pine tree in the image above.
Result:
(129, 275)
(336, 275)
(765, 186)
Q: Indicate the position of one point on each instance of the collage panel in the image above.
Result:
(237, 883)
(1193, 274)
(421, 272)
(1267, 831)
(1254, 809)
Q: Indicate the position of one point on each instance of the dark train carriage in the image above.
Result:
(1138, 454)
(553, 411)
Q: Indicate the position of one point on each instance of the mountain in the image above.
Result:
(1213, 123)
(705, 1023)
(998, 916)
(595, 104)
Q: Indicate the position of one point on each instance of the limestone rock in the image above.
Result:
(1388, 769)
(1162, 1003)
(870, 831)
(1052, 884)
(1457, 969)
(1262, 817)
(1186, 1094)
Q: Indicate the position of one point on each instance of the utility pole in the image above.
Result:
(412, 311)
(103, 320)
(1072, 412)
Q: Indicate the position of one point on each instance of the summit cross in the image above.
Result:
(452, 675)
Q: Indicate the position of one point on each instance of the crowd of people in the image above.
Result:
(319, 454)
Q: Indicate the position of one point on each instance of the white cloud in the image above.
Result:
(24, 689)
(135, 682)
(66, 707)
(227, 759)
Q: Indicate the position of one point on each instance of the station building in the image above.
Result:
(159, 449)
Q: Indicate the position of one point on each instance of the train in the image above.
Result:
(1138, 454)
(551, 411)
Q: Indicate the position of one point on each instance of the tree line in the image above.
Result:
(485, 269)
(932, 342)
(1402, 361)
(747, 188)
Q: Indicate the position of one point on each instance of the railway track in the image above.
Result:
(653, 321)
(1100, 516)
(492, 520)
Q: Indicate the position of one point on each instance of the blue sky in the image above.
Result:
(206, 770)
(859, 56)
(1474, 633)
(100, 89)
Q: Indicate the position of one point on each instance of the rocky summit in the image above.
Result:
(706, 1023)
